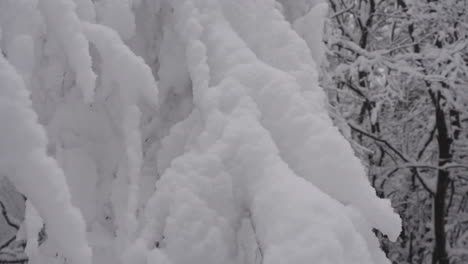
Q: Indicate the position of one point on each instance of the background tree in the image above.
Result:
(399, 77)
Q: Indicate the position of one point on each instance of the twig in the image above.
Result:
(385, 142)
(342, 11)
(7, 218)
(259, 245)
(8, 242)
(428, 141)
(399, 154)
(14, 261)
(432, 167)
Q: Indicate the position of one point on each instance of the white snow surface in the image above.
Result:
(188, 131)
(24, 159)
(64, 25)
(34, 225)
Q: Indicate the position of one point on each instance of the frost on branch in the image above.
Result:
(236, 160)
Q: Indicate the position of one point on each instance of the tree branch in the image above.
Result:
(259, 245)
(7, 217)
(8, 242)
(385, 142)
(346, 9)
(428, 141)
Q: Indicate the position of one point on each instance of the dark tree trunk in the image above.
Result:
(444, 144)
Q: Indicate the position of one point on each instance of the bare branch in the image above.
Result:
(7, 218)
(385, 142)
(8, 242)
(346, 9)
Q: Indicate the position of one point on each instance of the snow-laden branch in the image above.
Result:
(23, 158)
(258, 138)
(376, 138)
(448, 166)
(34, 225)
(242, 144)
(134, 82)
(64, 24)
(342, 11)
(298, 121)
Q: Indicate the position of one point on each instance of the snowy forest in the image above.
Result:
(234, 131)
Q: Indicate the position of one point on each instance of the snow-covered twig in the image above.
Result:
(346, 9)
(433, 167)
(385, 142)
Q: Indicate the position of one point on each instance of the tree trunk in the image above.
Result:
(444, 141)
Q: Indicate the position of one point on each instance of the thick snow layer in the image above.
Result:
(23, 158)
(114, 54)
(34, 225)
(21, 56)
(213, 145)
(117, 14)
(303, 130)
(236, 144)
(64, 24)
(85, 10)
(294, 9)
(311, 32)
(274, 41)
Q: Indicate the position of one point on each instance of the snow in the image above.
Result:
(21, 56)
(203, 136)
(175, 92)
(117, 15)
(299, 134)
(64, 24)
(294, 9)
(274, 41)
(23, 145)
(85, 10)
(114, 54)
(138, 75)
(249, 155)
(34, 225)
(311, 32)
(276, 195)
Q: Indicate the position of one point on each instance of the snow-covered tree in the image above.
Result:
(399, 77)
(178, 131)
